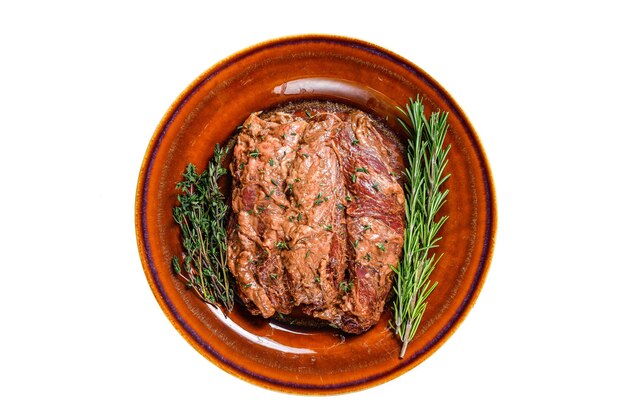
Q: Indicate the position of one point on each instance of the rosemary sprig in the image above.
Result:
(202, 216)
(425, 177)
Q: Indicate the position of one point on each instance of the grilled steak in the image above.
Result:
(318, 216)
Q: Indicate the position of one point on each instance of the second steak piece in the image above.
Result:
(315, 263)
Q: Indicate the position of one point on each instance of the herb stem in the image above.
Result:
(424, 198)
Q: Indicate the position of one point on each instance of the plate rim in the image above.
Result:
(153, 277)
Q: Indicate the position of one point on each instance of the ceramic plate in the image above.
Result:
(264, 352)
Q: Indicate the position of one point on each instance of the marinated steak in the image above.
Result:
(318, 216)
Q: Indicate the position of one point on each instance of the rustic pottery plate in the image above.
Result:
(264, 352)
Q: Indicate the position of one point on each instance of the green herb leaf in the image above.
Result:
(346, 287)
(282, 245)
(176, 265)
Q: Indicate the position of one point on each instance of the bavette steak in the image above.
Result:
(318, 215)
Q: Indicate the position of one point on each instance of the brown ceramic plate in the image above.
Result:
(264, 352)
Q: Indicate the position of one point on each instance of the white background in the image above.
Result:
(82, 89)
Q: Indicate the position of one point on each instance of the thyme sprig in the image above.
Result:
(202, 217)
(427, 159)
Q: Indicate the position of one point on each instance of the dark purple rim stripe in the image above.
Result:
(485, 255)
